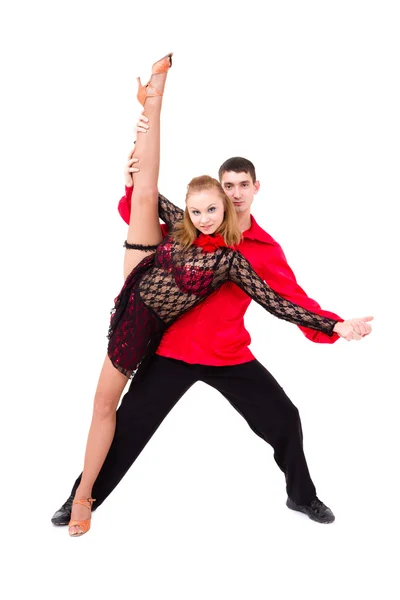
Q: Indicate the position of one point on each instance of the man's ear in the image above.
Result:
(256, 187)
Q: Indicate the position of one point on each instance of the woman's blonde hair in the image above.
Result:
(185, 232)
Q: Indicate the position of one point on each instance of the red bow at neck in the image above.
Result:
(209, 243)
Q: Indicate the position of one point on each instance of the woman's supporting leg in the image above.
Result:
(144, 225)
(109, 389)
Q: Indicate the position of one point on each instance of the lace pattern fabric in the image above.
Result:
(245, 277)
(168, 212)
(134, 331)
(182, 279)
(203, 274)
(164, 285)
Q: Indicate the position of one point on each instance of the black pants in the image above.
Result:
(249, 387)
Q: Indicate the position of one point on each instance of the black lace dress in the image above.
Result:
(170, 282)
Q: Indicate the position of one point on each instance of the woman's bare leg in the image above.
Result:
(144, 224)
(109, 389)
(144, 228)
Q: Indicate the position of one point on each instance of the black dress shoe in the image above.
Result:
(315, 510)
(62, 516)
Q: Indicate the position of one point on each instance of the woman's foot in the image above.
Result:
(80, 515)
(155, 86)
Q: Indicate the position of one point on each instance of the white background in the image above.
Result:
(309, 91)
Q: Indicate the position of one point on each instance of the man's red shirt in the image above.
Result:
(213, 333)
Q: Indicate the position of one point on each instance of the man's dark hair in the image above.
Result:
(238, 165)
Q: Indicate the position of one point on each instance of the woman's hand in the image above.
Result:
(129, 169)
(353, 329)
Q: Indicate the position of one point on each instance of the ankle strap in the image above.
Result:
(85, 502)
(156, 92)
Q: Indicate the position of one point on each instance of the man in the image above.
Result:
(219, 356)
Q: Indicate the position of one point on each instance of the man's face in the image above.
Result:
(239, 187)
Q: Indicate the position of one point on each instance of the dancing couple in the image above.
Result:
(212, 250)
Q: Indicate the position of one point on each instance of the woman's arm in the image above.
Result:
(168, 212)
(242, 273)
(246, 278)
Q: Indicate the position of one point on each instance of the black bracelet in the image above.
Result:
(129, 246)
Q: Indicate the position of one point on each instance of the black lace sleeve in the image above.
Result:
(168, 212)
(242, 273)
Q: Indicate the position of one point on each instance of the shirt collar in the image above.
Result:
(256, 233)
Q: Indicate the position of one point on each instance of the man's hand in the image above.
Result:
(142, 125)
(354, 329)
(129, 169)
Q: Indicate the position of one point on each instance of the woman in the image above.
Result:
(190, 263)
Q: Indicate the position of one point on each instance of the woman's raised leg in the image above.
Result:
(144, 225)
(144, 229)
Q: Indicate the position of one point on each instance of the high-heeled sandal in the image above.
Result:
(85, 524)
(147, 91)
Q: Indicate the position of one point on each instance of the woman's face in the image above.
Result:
(206, 210)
